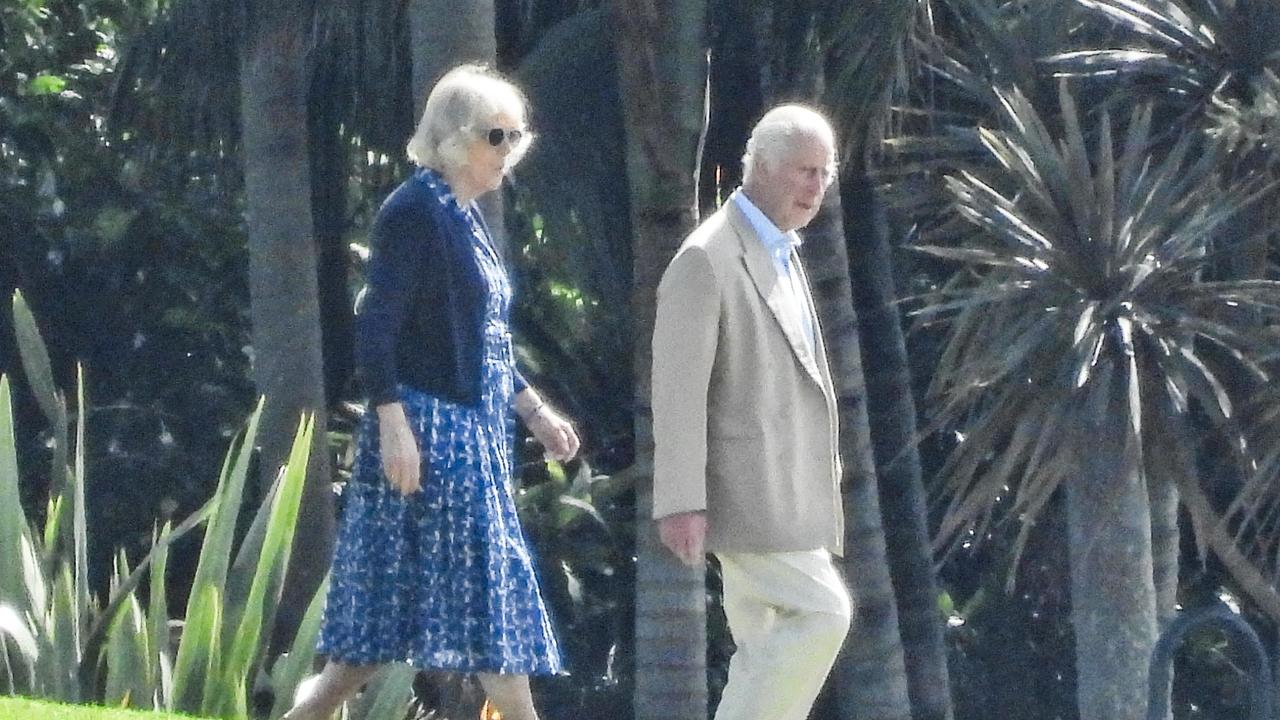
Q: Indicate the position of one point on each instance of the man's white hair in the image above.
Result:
(779, 131)
(458, 111)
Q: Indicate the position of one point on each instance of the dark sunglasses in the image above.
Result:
(497, 135)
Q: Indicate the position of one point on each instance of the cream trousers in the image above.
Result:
(788, 613)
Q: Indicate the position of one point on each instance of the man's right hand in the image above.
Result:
(685, 534)
(401, 462)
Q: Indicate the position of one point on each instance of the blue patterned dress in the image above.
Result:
(443, 578)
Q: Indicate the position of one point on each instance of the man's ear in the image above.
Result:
(761, 171)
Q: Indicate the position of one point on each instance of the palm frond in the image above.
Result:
(968, 73)
(1083, 276)
(1191, 56)
(870, 46)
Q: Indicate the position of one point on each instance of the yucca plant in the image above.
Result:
(1080, 319)
(44, 578)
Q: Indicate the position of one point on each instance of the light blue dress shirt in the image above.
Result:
(780, 246)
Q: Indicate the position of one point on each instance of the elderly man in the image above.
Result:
(744, 419)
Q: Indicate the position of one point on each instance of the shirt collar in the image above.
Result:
(778, 243)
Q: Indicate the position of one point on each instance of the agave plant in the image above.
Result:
(58, 641)
(1080, 313)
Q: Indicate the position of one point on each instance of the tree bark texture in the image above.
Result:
(283, 292)
(891, 410)
(329, 169)
(1168, 456)
(870, 675)
(1169, 452)
(663, 69)
(1113, 597)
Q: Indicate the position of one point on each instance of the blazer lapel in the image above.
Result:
(824, 366)
(765, 277)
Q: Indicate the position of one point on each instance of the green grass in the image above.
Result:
(23, 709)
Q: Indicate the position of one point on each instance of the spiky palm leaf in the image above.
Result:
(871, 54)
(976, 47)
(1192, 54)
(876, 49)
(1085, 271)
(1251, 127)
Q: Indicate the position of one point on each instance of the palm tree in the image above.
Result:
(1080, 311)
(891, 410)
(870, 675)
(227, 76)
(283, 281)
(1211, 66)
(662, 64)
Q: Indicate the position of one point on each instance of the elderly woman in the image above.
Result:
(431, 565)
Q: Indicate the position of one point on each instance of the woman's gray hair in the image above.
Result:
(458, 111)
(779, 131)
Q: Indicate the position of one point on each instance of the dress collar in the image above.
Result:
(440, 188)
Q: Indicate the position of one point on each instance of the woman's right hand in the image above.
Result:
(401, 462)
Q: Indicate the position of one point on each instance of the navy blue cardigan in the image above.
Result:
(422, 314)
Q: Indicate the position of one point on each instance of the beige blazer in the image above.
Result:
(744, 412)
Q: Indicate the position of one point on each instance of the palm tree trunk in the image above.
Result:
(891, 410)
(284, 298)
(1165, 459)
(870, 674)
(1169, 458)
(1168, 453)
(662, 62)
(444, 34)
(329, 168)
(1113, 597)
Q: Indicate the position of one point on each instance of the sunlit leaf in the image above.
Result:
(46, 84)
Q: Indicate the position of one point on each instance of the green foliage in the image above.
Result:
(570, 237)
(290, 669)
(59, 642)
(869, 58)
(1185, 52)
(1250, 126)
(1012, 650)
(131, 254)
(582, 528)
(1085, 269)
(1086, 172)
